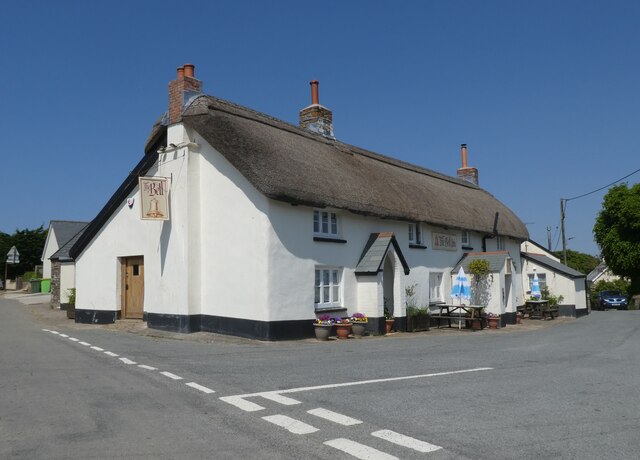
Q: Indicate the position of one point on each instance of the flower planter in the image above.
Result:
(388, 323)
(358, 328)
(322, 331)
(343, 330)
(518, 318)
(417, 323)
(493, 323)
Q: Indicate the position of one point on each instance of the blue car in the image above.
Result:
(613, 299)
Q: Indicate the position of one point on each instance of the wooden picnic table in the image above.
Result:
(538, 309)
(468, 313)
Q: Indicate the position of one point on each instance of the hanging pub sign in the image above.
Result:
(154, 198)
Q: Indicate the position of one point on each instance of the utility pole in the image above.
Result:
(549, 238)
(564, 238)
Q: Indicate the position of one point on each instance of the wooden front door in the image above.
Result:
(133, 287)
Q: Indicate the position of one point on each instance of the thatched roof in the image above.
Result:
(289, 164)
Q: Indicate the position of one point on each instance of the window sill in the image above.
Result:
(329, 309)
(417, 246)
(468, 248)
(325, 239)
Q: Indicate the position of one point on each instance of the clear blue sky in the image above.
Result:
(544, 93)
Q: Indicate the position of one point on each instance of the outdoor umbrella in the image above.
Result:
(461, 289)
(535, 287)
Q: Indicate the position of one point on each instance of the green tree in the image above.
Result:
(30, 245)
(617, 231)
(580, 261)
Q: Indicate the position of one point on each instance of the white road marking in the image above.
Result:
(127, 361)
(55, 332)
(64, 335)
(200, 387)
(405, 441)
(274, 396)
(97, 348)
(149, 368)
(241, 403)
(290, 424)
(85, 344)
(74, 339)
(171, 376)
(349, 384)
(110, 353)
(334, 416)
(46, 330)
(358, 450)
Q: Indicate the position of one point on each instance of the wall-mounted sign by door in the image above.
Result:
(154, 198)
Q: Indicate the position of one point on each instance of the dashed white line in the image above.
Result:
(200, 387)
(46, 330)
(85, 344)
(127, 361)
(358, 450)
(64, 335)
(171, 376)
(96, 348)
(290, 424)
(110, 353)
(242, 403)
(74, 339)
(405, 441)
(334, 417)
(149, 368)
(280, 399)
(55, 332)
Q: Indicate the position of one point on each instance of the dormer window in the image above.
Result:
(465, 239)
(325, 223)
(415, 235)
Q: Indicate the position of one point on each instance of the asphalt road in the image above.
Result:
(558, 389)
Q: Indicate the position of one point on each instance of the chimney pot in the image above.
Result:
(463, 151)
(189, 70)
(180, 72)
(315, 99)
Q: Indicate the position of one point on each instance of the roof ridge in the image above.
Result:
(349, 147)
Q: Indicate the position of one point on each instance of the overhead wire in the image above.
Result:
(601, 188)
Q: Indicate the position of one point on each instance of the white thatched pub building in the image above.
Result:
(270, 224)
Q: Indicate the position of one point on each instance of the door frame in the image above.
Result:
(124, 261)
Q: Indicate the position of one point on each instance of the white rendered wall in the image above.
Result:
(164, 245)
(50, 247)
(67, 280)
(234, 242)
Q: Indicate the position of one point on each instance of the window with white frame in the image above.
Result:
(415, 233)
(327, 287)
(435, 286)
(465, 239)
(542, 281)
(500, 243)
(325, 223)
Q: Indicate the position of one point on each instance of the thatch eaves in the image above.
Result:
(289, 164)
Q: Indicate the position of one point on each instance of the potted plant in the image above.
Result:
(418, 319)
(343, 327)
(519, 316)
(359, 324)
(493, 320)
(388, 320)
(322, 327)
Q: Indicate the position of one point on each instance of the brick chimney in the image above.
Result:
(465, 172)
(183, 88)
(317, 118)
